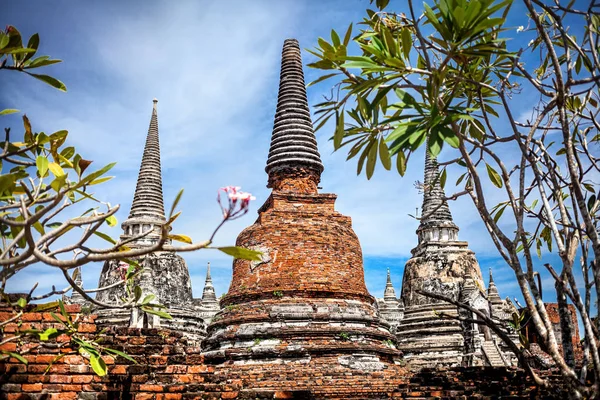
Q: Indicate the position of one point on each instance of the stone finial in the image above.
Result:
(436, 220)
(208, 293)
(147, 210)
(293, 153)
(76, 297)
(493, 289)
(389, 293)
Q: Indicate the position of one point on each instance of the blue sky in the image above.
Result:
(214, 67)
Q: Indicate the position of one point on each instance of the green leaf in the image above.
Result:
(384, 155)
(499, 213)
(45, 306)
(137, 293)
(56, 169)
(401, 163)
(120, 353)
(17, 356)
(48, 334)
(371, 160)
(22, 302)
(321, 78)
(161, 314)
(8, 111)
(105, 237)
(348, 35)
(443, 177)
(34, 42)
(181, 238)
(50, 81)
(63, 311)
(55, 359)
(339, 130)
(241, 253)
(98, 365)
(175, 202)
(111, 220)
(335, 39)
(494, 176)
(591, 201)
(406, 42)
(41, 163)
(449, 136)
(435, 142)
(94, 175)
(148, 299)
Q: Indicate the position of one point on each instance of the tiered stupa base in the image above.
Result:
(188, 322)
(427, 340)
(299, 328)
(318, 378)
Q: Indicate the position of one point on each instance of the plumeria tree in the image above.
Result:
(446, 76)
(42, 179)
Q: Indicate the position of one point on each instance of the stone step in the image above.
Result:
(492, 354)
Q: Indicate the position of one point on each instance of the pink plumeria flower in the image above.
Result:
(122, 269)
(237, 202)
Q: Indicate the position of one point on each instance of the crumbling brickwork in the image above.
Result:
(170, 368)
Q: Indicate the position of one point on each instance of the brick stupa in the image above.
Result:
(305, 305)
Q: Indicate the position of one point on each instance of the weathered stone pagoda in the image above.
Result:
(208, 305)
(444, 265)
(164, 274)
(390, 307)
(305, 303)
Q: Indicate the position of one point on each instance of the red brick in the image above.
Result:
(86, 328)
(195, 369)
(82, 378)
(34, 317)
(283, 395)
(10, 346)
(118, 369)
(31, 387)
(144, 396)
(71, 388)
(151, 388)
(229, 395)
(60, 379)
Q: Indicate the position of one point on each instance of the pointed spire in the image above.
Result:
(147, 209)
(148, 198)
(492, 292)
(208, 294)
(389, 293)
(436, 219)
(76, 297)
(293, 144)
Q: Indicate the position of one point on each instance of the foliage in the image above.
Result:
(449, 79)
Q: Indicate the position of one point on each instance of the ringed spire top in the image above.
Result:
(293, 143)
(436, 219)
(208, 294)
(389, 292)
(147, 209)
(148, 198)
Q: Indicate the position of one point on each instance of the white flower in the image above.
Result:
(531, 42)
(520, 29)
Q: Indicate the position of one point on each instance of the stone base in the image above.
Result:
(299, 328)
(426, 340)
(188, 322)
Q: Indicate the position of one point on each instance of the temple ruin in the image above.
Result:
(444, 265)
(163, 274)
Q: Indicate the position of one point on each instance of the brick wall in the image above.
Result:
(168, 367)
